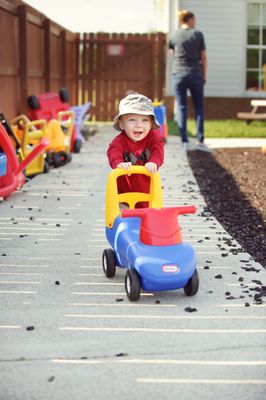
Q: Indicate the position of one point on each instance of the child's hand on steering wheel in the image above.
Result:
(124, 165)
(151, 167)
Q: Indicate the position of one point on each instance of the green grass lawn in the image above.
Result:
(227, 128)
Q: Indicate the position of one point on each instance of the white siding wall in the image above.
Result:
(223, 23)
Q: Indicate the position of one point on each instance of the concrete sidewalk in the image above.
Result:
(67, 332)
(234, 142)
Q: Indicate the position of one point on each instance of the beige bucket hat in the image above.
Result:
(136, 104)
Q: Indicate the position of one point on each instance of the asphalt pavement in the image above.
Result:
(67, 332)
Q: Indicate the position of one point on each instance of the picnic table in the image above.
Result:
(254, 115)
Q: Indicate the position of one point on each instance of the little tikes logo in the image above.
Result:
(170, 268)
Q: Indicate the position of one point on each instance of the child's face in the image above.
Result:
(136, 126)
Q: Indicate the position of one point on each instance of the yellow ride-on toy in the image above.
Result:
(25, 136)
(57, 131)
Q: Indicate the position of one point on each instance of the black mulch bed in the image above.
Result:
(233, 183)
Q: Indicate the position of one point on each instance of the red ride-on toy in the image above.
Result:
(11, 172)
(47, 106)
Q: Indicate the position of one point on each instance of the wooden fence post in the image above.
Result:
(83, 68)
(47, 53)
(23, 57)
(64, 59)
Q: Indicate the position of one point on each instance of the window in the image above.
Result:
(256, 46)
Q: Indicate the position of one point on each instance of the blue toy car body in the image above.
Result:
(154, 261)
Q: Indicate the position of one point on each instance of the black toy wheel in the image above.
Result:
(109, 266)
(61, 158)
(33, 102)
(46, 168)
(192, 285)
(49, 158)
(63, 95)
(77, 145)
(132, 285)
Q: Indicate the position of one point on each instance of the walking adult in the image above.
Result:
(189, 73)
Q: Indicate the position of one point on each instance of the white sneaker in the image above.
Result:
(202, 147)
(185, 146)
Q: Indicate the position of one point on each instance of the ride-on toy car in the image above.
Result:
(11, 171)
(48, 106)
(25, 135)
(147, 241)
(57, 153)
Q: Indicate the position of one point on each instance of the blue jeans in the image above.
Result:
(195, 85)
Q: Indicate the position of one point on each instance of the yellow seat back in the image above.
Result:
(154, 197)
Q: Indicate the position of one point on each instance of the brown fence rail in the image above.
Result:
(113, 64)
(36, 56)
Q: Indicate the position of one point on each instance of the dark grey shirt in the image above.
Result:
(187, 45)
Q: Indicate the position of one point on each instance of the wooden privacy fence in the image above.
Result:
(36, 56)
(113, 64)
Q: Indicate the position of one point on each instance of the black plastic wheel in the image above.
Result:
(33, 102)
(132, 285)
(192, 285)
(109, 265)
(63, 95)
(77, 145)
(61, 158)
(46, 167)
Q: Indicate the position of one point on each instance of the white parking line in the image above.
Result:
(90, 274)
(208, 252)
(26, 207)
(22, 273)
(107, 294)
(98, 240)
(19, 283)
(49, 240)
(202, 381)
(243, 284)
(160, 330)
(203, 246)
(69, 208)
(10, 327)
(170, 317)
(121, 305)
(98, 283)
(240, 305)
(62, 194)
(161, 362)
(219, 267)
(17, 291)
(34, 223)
(36, 219)
(24, 265)
(32, 234)
(32, 229)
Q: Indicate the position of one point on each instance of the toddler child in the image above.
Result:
(138, 143)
